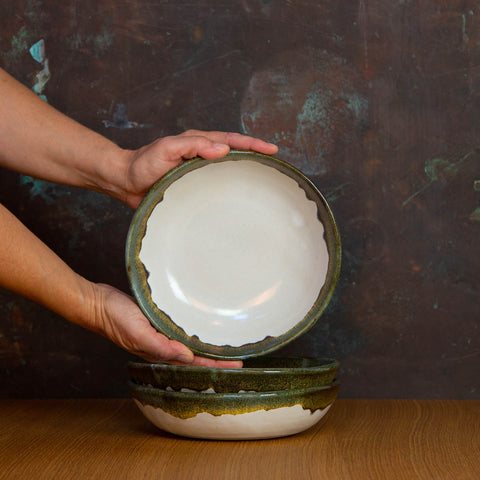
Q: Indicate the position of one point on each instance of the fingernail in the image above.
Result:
(185, 358)
(220, 146)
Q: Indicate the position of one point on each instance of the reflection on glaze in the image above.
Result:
(236, 314)
(235, 253)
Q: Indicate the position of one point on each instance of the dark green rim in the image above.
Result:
(138, 275)
(279, 365)
(187, 405)
(258, 374)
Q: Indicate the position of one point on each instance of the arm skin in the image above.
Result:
(37, 140)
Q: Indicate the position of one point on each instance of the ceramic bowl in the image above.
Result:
(234, 416)
(233, 257)
(258, 374)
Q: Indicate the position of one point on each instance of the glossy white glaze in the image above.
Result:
(189, 390)
(277, 422)
(235, 253)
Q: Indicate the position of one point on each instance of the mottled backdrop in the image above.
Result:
(377, 101)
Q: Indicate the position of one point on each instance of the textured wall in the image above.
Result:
(376, 101)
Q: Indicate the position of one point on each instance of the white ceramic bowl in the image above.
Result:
(233, 257)
(239, 416)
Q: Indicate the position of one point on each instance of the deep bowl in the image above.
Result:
(233, 257)
(234, 416)
(258, 374)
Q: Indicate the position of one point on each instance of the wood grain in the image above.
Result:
(358, 439)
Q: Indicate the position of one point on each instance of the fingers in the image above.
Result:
(208, 145)
(235, 141)
(157, 348)
(177, 354)
(208, 362)
(190, 146)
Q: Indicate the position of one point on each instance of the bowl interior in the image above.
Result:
(233, 257)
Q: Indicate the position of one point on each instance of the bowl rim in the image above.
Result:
(330, 364)
(137, 274)
(249, 395)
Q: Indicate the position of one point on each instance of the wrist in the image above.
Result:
(79, 303)
(110, 171)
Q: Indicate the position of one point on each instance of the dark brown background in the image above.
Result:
(378, 102)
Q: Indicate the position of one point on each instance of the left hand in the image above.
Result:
(118, 318)
(147, 164)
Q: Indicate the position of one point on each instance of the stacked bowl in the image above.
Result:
(267, 398)
(235, 258)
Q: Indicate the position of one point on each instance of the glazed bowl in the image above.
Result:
(234, 416)
(233, 257)
(258, 374)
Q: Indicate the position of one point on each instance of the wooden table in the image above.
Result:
(358, 439)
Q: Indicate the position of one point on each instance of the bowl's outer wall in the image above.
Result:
(187, 405)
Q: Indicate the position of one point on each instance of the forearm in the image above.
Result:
(29, 268)
(39, 141)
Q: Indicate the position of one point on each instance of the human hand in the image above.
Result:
(118, 318)
(147, 164)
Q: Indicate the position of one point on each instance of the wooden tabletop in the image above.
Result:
(358, 439)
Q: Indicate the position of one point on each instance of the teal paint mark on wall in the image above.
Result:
(25, 36)
(309, 107)
(83, 205)
(103, 41)
(47, 191)
(120, 120)
(285, 96)
(321, 112)
(315, 110)
(357, 104)
(32, 10)
(37, 51)
(338, 192)
(439, 169)
(475, 215)
(98, 44)
(19, 44)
